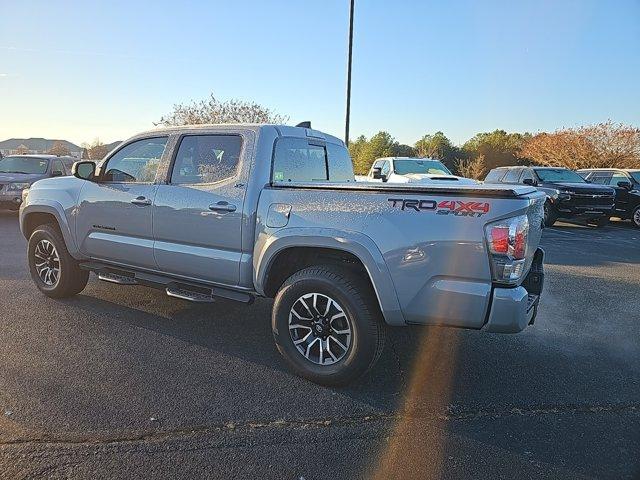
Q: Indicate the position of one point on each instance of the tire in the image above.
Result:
(354, 308)
(550, 215)
(635, 218)
(46, 245)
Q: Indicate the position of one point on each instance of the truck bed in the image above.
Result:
(429, 239)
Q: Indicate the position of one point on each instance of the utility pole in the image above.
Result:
(348, 114)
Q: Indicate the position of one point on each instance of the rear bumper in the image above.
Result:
(512, 309)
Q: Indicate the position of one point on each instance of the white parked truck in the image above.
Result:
(414, 170)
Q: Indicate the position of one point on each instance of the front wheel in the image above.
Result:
(327, 325)
(54, 271)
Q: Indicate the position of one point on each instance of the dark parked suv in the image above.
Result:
(627, 185)
(18, 172)
(568, 194)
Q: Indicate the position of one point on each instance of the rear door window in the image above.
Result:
(206, 159)
(601, 178)
(59, 167)
(618, 177)
(512, 175)
(299, 160)
(526, 173)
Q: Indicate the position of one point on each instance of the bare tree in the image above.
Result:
(58, 148)
(472, 168)
(213, 110)
(602, 145)
(96, 150)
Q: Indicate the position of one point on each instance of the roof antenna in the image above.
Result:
(306, 124)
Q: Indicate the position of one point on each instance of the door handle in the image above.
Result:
(222, 206)
(141, 201)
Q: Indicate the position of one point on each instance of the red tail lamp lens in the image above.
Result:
(500, 239)
(520, 245)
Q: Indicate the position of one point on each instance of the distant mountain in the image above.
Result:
(37, 145)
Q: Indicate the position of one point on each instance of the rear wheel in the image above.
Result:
(54, 271)
(327, 325)
(635, 218)
(550, 215)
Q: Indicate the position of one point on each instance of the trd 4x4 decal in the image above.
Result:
(446, 207)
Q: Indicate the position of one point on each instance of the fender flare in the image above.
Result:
(55, 209)
(357, 244)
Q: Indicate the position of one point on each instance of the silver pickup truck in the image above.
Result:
(245, 211)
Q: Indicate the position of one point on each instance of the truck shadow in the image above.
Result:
(424, 368)
(244, 332)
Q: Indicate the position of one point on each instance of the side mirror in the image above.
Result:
(624, 184)
(377, 173)
(85, 170)
(56, 173)
(529, 181)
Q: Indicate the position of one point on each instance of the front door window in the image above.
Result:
(135, 163)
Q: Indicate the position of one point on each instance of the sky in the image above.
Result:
(109, 69)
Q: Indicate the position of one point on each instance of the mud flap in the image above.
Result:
(534, 283)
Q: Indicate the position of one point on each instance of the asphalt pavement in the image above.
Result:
(125, 382)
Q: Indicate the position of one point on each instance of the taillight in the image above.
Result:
(507, 241)
(499, 239)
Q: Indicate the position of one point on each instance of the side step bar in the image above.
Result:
(189, 295)
(173, 287)
(115, 278)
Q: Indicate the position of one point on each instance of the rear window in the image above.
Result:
(494, 175)
(302, 160)
(340, 165)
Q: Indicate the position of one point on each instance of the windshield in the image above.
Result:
(24, 165)
(406, 167)
(558, 175)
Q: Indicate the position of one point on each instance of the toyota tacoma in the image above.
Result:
(245, 211)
